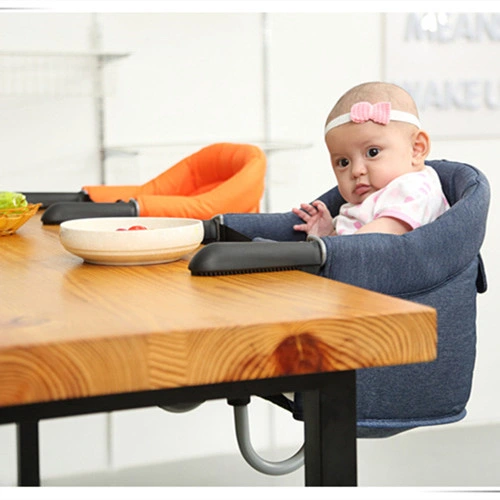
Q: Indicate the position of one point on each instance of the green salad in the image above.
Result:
(9, 199)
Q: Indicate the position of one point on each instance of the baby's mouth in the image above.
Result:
(361, 189)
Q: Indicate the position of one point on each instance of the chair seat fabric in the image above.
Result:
(439, 265)
(220, 178)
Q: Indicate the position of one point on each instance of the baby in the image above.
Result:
(378, 153)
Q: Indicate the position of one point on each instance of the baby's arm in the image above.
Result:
(317, 219)
(387, 225)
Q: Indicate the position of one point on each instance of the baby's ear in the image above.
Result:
(421, 147)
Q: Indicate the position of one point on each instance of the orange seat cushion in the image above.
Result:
(220, 178)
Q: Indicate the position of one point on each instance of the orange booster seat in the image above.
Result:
(219, 178)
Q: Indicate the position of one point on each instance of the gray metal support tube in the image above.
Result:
(250, 455)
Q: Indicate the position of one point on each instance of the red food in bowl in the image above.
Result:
(133, 228)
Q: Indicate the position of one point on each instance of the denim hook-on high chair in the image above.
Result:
(438, 264)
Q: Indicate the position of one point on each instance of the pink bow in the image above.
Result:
(379, 113)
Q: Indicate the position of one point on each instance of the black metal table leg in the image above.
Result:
(329, 418)
(28, 461)
(330, 433)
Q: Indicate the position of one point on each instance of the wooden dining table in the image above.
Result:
(78, 338)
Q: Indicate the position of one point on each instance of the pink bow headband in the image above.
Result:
(380, 112)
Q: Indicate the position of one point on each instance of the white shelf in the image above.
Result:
(106, 56)
(136, 149)
(53, 73)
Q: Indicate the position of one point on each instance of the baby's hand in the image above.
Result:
(317, 218)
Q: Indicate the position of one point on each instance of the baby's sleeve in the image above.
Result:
(415, 198)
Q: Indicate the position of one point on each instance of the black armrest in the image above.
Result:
(60, 212)
(47, 199)
(258, 256)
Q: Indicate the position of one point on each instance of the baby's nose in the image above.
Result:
(358, 169)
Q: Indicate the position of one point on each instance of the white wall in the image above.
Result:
(193, 79)
(48, 120)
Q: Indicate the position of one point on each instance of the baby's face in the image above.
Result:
(367, 156)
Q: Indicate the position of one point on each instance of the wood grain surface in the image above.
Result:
(71, 329)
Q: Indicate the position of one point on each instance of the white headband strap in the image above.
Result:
(394, 115)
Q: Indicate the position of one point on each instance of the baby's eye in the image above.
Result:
(372, 152)
(343, 162)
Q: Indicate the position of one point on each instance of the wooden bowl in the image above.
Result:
(11, 219)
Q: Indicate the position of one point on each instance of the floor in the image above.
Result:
(221, 470)
(453, 456)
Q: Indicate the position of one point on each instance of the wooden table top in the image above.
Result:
(69, 329)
